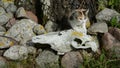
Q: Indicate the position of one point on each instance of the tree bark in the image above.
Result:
(58, 10)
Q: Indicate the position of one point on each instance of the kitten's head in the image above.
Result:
(78, 15)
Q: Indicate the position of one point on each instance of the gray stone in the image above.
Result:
(3, 63)
(21, 12)
(4, 18)
(6, 42)
(39, 29)
(47, 59)
(72, 60)
(50, 26)
(31, 50)
(6, 3)
(11, 8)
(2, 29)
(2, 33)
(10, 15)
(98, 27)
(22, 30)
(2, 11)
(106, 14)
(16, 53)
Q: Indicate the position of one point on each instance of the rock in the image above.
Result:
(6, 3)
(2, 33)
(98, 27)
(111, 39)
(47, 59)
(6, 42)
(115, 32)
(32, 16)
(3, 63)
(50, 26)
(2, 29)
(111, 44)
(106, 14)
(16, 53)
(4, 18)
(11, 8)
(21, 12)
(62, 41)
(39, 29)
(72, 60)
(10, 23)
(22, 30)
(108, 41)
(10, 15)
(31, 50)
(39, 51)
(2, 11)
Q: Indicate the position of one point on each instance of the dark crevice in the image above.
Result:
(39, 12)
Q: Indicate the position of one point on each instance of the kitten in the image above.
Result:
(77, 19)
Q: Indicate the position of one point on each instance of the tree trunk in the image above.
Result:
(58, 10)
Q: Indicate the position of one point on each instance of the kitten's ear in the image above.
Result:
(85, 11)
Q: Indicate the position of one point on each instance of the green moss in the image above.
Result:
(27, 63)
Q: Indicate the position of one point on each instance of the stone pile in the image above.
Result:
(19, 28)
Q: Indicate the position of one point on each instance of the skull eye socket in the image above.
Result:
(78, 41)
